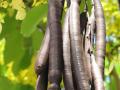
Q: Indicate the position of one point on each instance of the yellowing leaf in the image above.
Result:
(17, 4)
(21, 14)
(2, 47)
(20, 7)
(4, 4)
(0, 27)
(38, 2)
(2, 15)
(10, 75)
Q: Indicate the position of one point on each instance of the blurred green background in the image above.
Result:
(22, 27)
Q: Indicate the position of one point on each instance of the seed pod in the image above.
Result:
(97, 76)
(68, 80)
(56, 52)
(41, 83)
(89, 41)
(42, 58)
(77, 48)
(100, 35)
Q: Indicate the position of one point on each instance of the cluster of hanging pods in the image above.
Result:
(73, 52)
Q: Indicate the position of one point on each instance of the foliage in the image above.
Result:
(22, 26)
(112, 63)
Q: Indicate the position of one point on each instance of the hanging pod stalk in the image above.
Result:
(68, 80)
(42, 57)
(100, 35)
(56, 51)
(77, 47)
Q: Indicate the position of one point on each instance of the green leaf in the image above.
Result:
(25, 61)
(2, 70)
(5, 84)
(22, 87)
(82, 6)
(0, 27)
(14, 40)
(16, 46)
(89, 5)
(117, 68)
(37, 37)
(113, 83)
(32, 19)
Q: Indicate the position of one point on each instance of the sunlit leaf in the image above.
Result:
(37, 37)
(0, 27)
(38, 2)
(2, 48)
(21, 14)
(117, 68)
(4, 4)
(32, 20)
(17, 4)
(21, 86)
(14, 40)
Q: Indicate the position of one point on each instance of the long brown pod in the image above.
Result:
(77, 47)
(68, 80)
(100, 35)
(42, 57)
(97, 76)
(89, 40)
(90, 35)
(83, 28)
(56, 51)
(87, 49)
(42, 80)
(92, 26)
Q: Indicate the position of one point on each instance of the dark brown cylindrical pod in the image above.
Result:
(55, 8)
(92, 26)
(42, 57)
(42, 80)
(100, 35)
(87, 50)
(77, 47)
(67, 76)
(97, 76)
